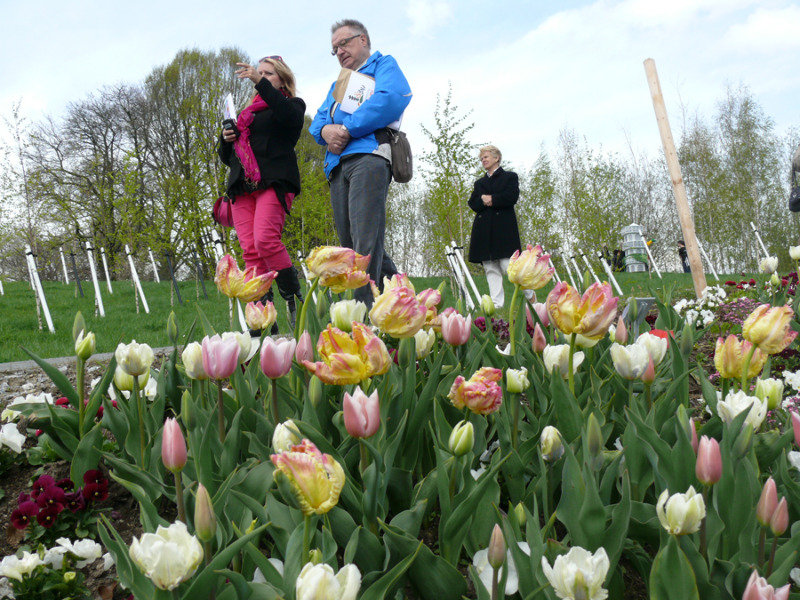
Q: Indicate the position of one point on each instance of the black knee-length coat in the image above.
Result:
(495, 233)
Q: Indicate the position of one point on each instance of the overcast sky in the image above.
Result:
(525, 68)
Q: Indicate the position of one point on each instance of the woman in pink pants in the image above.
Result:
(264, 178)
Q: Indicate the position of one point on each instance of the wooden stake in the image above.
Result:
(678, 188)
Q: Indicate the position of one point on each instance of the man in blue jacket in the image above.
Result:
(358, 157)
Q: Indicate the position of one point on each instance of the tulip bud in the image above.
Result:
(621, 333)
(172, 328)
(796, 427)
(775, 280)
(78, 325)
(770, 391)
(519, 513)
(124, 382)
(84, 345)
(780, 518)
(487, 305)
(551, 445)
(173, 446)
(694, 435)
(305, 349)
(649, 375)
(594, 440)
(708, 467)
(497, 548)
(205, 521)
(539, 342)
(462, 439)
(767, 503)
(687, 339)
(188, 412)
(315, 391)
(517, 380)
(285, 436)
(315, 556)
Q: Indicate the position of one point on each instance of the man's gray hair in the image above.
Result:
(357, 27)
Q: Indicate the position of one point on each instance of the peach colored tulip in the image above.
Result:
(346, 359)
(770, 328)
(730, 354)
(260, 316)
(589, 315)
(362, 413)
(481, 394)
(779, 521)
(316, 478)
(398, 313)
(246, 286)
(338, 268)
(530, 269)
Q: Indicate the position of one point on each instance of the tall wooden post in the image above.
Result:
(678, 188)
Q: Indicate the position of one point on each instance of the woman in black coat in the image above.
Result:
(264, 177)
(495, 235)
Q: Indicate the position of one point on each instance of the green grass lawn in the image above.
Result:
(19, 326)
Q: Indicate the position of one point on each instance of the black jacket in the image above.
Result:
(495, 234)
(273, 135)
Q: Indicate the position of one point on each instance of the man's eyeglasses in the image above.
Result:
(344, 43)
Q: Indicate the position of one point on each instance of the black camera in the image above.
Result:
(229, 124)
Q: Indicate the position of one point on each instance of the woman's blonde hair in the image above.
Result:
(284, 72)
(494, 150)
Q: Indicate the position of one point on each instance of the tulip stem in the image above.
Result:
(515, 398)
(453, 473)
(746, 367)
(703, 548)
(570, 374)
(772, 555)
(301, 319)
(81, 403)
(220, 412)
(274, 401)
(364, 462)
(495, 590)
(512, 317)
(762, 538)
(306, 537)
(140, 410)
(179, 497)
(207, 554)
(649, 395)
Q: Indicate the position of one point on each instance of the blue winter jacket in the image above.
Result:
(392, 95)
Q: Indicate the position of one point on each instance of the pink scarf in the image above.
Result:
(244, 152)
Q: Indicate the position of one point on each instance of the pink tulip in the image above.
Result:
(456, 328)
(694, 435)
(173, 446)
(220, 356)
(649, 375)
(305, 348)
(362, 414)
(780, 518)
(767, 503)
(276, 356)
(539, 342)
(621, 332)
(709, 461)
(796, 426)
(541, 311)
(497, 548)
(758, 589)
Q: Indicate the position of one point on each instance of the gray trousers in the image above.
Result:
(359, 185)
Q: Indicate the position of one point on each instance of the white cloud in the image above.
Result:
(426, 15)
(765, 31)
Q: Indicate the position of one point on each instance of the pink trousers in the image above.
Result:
(259, 218)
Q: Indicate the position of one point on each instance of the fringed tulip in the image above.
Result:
(590, 314)
(758, 589)
(578, 574)
(530, 269)
(736, 402)
(246, 286)
(517, 380)
(629, 361)
(480, 393)
(708, 467)
(338, 268)
(345, 312)
(192, 358)
(276, 356)
(681, 514)
(730, 355)
(398, 313)
(220, 356)
(456, 329)
(398, 280)
(462, 438)
(362, 413)
(305, 348)
(539, 341)
(173, 446)
(260, 316)
(346, 359)
(169, 556)
(557, 358)
(285, 436)
(135, 359)
(317, 581)
(316, 478)
(769, 328)
(767, 503)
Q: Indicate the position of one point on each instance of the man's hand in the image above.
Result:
(336, 136)
(487, 199)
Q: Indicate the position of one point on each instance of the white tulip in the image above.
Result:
(656, 346)
(578, 574)
(630, 361)
(319, 581)
(557, 357)
(681, 514)
(736, 402)
(169, 556)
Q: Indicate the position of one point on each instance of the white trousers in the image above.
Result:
(495, 269)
